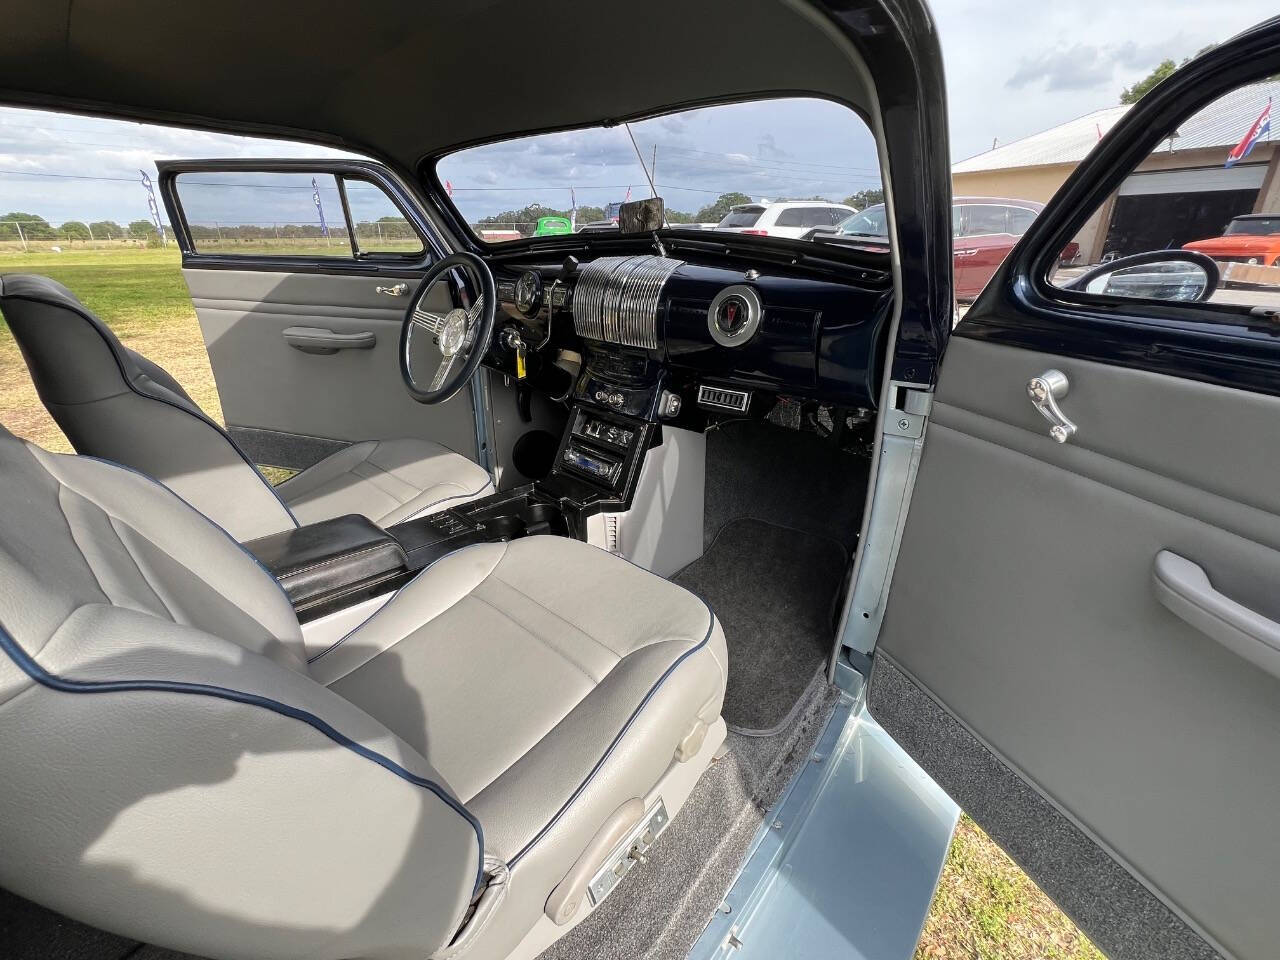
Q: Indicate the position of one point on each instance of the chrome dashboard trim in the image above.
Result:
(616, 299)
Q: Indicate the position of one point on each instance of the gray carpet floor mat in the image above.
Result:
(659, 910)
(774, 590)
(787, 477)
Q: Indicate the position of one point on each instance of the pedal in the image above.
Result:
(633, 850)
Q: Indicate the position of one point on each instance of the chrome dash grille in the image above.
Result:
(616, 299)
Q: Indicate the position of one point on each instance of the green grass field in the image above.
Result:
(985, 908)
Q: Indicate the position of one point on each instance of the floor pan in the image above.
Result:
(774, 589)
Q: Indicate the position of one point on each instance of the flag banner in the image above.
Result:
(151, 205)
(1260, 127)
(315, 197)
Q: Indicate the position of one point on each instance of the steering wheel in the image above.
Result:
(462, 335)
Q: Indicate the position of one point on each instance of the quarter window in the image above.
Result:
(1020, 220)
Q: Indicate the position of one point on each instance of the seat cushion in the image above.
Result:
(547, 681)
(386, 481)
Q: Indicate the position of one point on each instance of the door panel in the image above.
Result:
(267, 384)
(1024, 601)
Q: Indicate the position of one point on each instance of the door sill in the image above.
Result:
(846, 863)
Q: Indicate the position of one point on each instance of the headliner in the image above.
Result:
(407, 79)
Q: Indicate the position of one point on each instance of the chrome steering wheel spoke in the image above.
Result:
(428, 320)
(444, 370)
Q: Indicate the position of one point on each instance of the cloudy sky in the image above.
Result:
(1013, 68)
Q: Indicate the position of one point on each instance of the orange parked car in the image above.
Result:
(1252, 238)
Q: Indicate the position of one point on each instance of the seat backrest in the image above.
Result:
(113, 403)
(168, 769)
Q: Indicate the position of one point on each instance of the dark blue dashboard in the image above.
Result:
(698, 328)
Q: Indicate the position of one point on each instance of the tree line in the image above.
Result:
(35, 227)
(710, 213)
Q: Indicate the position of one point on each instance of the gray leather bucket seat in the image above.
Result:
(173, 769)
(114, 403)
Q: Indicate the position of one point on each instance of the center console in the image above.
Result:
(596, 469)
(326, 567)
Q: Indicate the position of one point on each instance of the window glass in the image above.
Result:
(1209, 189)
(704, 162)
(742, 217)
(246, 213)
(795, 217)
(379, 224)
(871, 222)
(984, 218)
(1020, 220)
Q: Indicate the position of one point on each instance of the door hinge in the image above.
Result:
(909, 406)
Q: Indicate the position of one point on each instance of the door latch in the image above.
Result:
(395, 290)
(1045, 391)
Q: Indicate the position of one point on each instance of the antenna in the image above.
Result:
(643, 166)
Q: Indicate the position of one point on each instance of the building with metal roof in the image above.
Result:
(1183, 191)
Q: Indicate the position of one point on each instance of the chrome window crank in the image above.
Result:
(1045, 391)
(395, 290)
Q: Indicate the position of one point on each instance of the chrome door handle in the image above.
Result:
(395, 290)
(1045, 391)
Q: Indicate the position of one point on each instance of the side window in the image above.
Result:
(245, 213)
(985, 218)
(795, 217)
(291, 214)
(1197, 220)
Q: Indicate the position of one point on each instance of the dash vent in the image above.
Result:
(722, 398)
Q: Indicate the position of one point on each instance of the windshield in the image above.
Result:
(871, 222)
(1254, 226)
(714, 166)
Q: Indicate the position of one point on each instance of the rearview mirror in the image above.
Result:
(1182, 275)
(642, 216)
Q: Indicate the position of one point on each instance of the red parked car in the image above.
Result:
(984, 229)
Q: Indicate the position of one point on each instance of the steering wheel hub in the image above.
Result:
(453, 336)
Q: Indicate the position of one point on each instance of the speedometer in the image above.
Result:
(528, 295)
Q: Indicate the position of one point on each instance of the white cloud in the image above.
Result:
(1014, 68)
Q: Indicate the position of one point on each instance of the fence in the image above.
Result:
(41, 235)
(372, 236)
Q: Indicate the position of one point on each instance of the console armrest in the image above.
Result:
(323, 563)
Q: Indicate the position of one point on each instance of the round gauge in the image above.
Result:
(734, 315)
(529, 292)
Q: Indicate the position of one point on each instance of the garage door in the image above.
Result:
(1167, 208)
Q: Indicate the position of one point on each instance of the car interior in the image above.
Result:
(588, 537)
(464, 667)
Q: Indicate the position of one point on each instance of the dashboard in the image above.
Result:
(688, 338)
